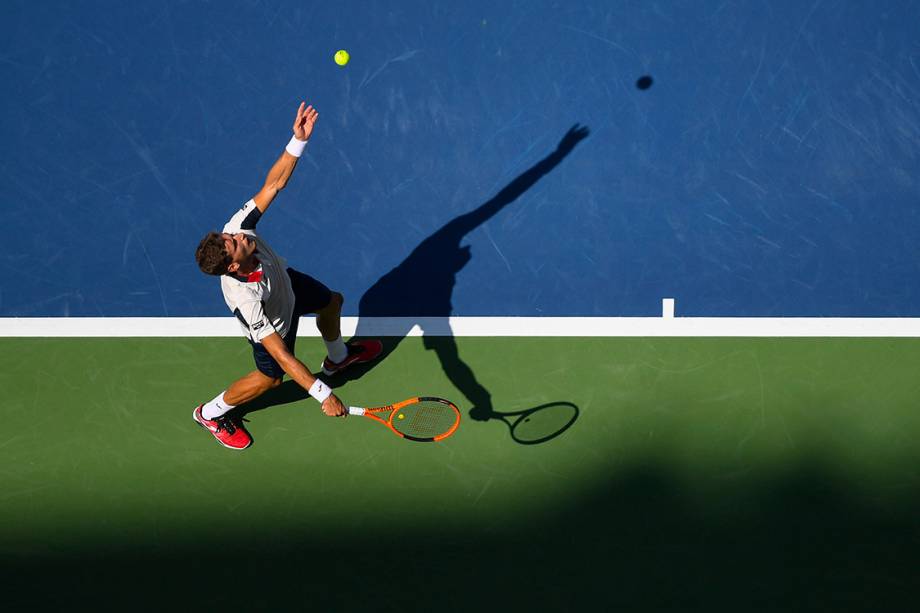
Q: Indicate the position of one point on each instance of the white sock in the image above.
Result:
(216, 407)
(336, 350)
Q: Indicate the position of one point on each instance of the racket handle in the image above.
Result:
(355, 411)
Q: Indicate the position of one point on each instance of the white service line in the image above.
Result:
(187, 327)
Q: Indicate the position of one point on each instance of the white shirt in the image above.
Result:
(262, 301)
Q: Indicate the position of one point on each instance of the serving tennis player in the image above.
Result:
(268, 298)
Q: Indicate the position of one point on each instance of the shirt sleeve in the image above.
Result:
(245, 219)
(252, 314)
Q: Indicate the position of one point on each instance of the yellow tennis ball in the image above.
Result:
(401, 416)
(342, 57)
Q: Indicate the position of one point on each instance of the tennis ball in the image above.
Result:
(401, 416)
(342, 57)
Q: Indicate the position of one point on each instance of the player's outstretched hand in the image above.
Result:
(333, 407)
(304, 122)
(575, 135)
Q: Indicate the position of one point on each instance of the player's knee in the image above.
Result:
(268, 382)
(335, 303)
(333, 309)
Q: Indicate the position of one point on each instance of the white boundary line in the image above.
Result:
(184, 327)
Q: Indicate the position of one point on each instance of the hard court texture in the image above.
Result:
(770, 169)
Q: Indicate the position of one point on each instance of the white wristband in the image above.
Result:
(296, 146)
(320, 391)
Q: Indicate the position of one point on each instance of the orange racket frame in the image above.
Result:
(370, 412)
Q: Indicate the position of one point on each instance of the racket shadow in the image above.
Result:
(536, 425)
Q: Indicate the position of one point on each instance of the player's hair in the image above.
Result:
(212, 255)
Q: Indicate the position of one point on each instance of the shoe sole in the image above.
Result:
(195, 417)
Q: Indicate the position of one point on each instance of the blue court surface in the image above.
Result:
(751, 159)
(769, 170)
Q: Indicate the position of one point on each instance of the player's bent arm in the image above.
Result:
(298, 371)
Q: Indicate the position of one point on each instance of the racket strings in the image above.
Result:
(426, 419)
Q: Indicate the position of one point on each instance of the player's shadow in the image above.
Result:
(418, 292)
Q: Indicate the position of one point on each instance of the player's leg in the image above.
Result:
(249, 388)
(216, 417)
(329, 318)
(312, 297)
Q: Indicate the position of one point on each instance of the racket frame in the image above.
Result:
(371, 412)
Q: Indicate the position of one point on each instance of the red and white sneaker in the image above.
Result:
(228, 433)
(359, 352)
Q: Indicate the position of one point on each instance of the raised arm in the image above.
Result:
(464, 224)
(280, 173)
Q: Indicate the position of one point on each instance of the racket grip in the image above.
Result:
(355, 411)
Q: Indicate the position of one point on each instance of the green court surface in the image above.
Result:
(719, 474)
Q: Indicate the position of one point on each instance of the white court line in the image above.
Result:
(667, 308)
(185, 327)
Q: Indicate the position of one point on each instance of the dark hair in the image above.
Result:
(212, 256)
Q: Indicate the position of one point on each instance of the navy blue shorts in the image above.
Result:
(309, 297)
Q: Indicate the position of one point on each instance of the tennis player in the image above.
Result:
(268, 299)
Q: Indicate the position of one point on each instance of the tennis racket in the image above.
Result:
(424, 419)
